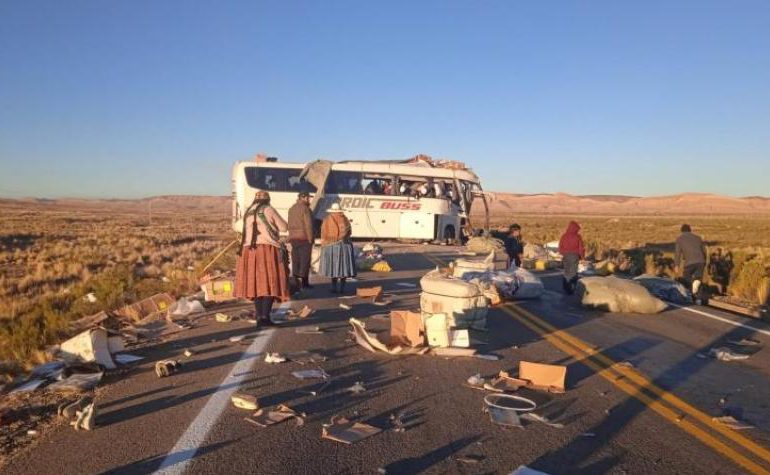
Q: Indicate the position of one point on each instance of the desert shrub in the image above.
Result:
(750, 282)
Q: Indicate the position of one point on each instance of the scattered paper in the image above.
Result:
(236, 339)
(342, 430)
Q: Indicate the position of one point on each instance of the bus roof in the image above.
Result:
(390, 167)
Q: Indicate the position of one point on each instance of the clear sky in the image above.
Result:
(110, 98)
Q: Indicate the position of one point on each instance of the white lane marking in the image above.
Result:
(184, 451)
(722, 319)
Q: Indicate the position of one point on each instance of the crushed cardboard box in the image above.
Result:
(539, 376)
(147, 309)
(406, 328)
(282, 413)
(217, 288)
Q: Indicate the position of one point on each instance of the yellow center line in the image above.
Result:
(604, 366)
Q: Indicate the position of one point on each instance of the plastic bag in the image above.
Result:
(618, 295)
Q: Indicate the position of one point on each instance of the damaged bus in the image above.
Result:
(416, 199)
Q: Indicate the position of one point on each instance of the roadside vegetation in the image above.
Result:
(50, 261)
(649, 243)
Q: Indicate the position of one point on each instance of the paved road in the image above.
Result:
(652, 418)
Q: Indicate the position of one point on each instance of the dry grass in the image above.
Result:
(50, 259)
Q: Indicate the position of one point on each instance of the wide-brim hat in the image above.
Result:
(335, 208)
(262, 195)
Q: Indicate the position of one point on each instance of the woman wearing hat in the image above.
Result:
(261, 272)
(337, 258)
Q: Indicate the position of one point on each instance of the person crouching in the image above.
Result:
(261, 272)
(338, 260)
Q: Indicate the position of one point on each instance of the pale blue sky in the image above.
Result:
(135, 98)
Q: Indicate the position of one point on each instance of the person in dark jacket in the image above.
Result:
(572, 249)
(301, 240)
(514, 245)
(691, 251)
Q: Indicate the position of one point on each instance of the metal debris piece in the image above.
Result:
(531, 416)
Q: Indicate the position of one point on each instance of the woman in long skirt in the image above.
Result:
(338, 260)
(261, 272)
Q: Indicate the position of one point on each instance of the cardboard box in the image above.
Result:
(150, 307)
(218, 289)
(406, 328)
(459, 338)
(369, 292)
(436, 330)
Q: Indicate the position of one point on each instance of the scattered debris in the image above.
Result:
(265, 418)
(504, 409)
(85, 419)
(245, 401)
(274, 358)
(470, 459)
(588, 435)
(126, 358)
(531, 416)
(408, 285)
(538, 376)
(188, 353)
(476, 381)
(406, 328)
(453, 352)
(90, 297)
(726, 354)
(78, 382)
(236, 339)
(302, 313)
(184, 307)
(90, 345)
(382, 303)
(524, 470)
(306, 357)
(310, 374)
(345, 306)
(309, 331)
(357, 388)
(319, 389)
(29, 386)
(732, 423)
(223, 318)
(218, 288)
(369, 292)
(165, 368)
(342, 430)
(147, 309)
(382, 266)
(69, 409)
(373, 344)
(618, 296)
(744, 342)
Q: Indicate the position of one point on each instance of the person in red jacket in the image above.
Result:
(572, 249)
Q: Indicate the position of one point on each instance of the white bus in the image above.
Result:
(412, 199)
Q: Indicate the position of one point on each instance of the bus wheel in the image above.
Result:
(449, 235)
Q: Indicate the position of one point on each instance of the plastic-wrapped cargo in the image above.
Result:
(666, 289)
(618, 295)
(485, 245)
(493, 261)
(514, 283)
(463, 302)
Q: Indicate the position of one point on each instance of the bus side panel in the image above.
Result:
(417, 225)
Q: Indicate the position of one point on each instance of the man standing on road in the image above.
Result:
(301, 240)
(514, 245)
(690, 249)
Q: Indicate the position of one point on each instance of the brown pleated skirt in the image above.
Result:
(261, 272)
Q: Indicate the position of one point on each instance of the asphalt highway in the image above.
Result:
(640, 394)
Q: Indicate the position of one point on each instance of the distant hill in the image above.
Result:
(503, 204)
(685, 203)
